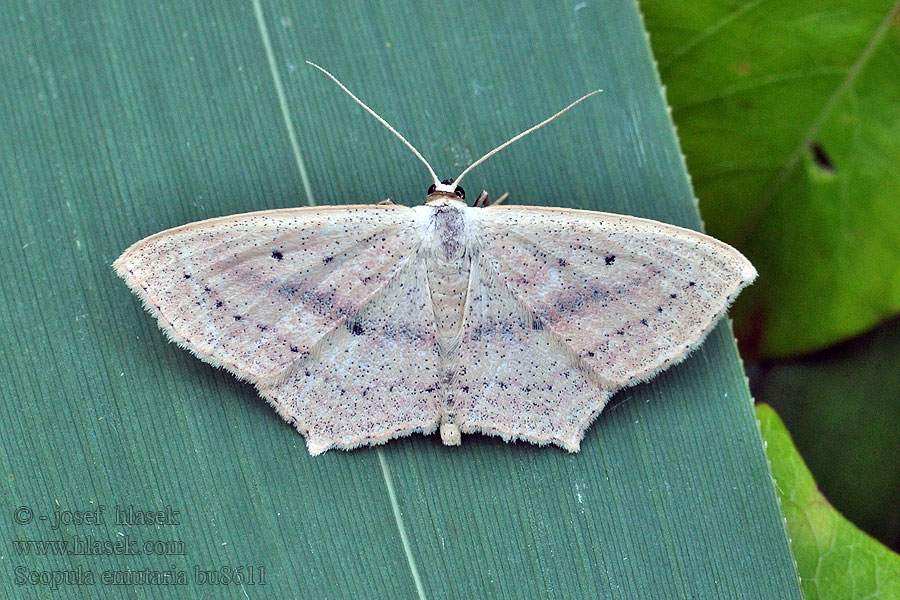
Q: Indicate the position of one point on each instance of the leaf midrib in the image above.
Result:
(793, 160)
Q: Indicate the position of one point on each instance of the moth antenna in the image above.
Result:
(418, 154)
(521, 135)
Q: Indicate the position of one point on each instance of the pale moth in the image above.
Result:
(364, 323)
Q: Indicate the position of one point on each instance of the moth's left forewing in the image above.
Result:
(629, 296)
(255, 292)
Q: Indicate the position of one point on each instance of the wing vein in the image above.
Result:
(317, 346)
(526, 308)
(325, 273)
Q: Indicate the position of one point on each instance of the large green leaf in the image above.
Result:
(788, 116)
(118, 120)
(835, 560)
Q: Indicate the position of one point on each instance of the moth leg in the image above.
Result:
(483, 200)
(502, 198)
(386, 202)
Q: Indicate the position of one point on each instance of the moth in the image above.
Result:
(363, 323)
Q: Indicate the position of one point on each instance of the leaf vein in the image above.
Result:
(794, 159)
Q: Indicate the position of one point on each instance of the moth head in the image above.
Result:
(447, 187)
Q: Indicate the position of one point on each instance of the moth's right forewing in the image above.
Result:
(629, 296)
(254, 292)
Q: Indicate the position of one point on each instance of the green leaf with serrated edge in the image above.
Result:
(788, 116)
(835, 560)
(841, 406)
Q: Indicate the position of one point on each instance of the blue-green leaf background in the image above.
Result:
(118, 120)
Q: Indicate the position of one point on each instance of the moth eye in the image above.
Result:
(431, 189)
